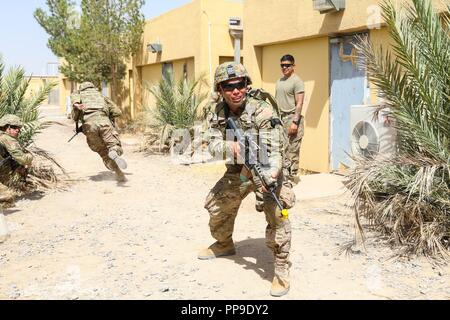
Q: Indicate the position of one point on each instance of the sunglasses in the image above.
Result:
(231, 86)
(287, 65)
(15, 127)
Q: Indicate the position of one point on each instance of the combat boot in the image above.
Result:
(217, 250)
(280, 286)
(120, 176)
(295, 179)
(7, 197)
(121, 163)
(5, 194)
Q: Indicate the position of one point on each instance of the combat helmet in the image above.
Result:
(86, 85)
(230, 70)
(10, 120)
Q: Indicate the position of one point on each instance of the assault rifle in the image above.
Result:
(77, 131)
(14, 163)
(255, 168)
(10, 159)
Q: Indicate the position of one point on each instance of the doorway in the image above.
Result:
(348, 86)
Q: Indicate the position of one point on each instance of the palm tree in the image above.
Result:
(13, 87)
(13, 100)
(406, 197)
(177, 105)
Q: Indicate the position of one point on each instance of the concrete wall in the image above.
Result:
(37, 82)
(312, 66)
(274, 28)
(191, 37)
(152, 74)
(196, 34)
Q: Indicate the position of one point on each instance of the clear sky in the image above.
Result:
(24, 42)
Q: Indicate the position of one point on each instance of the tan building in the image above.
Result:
(37, 82)
(321, 43)
(190, 41)
(194, 39)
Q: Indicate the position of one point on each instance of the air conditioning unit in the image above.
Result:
(372, 136)
(325, 6)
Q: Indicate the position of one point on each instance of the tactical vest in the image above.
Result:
(3, 153)
(93, 100)
(261, 94)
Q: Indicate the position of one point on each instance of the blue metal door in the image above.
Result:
(348, 87)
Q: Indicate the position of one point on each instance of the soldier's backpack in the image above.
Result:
(266, 96)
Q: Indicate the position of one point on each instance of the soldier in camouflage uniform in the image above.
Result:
(13, 158)
(290, 94)
(97, 114)
(223, 201)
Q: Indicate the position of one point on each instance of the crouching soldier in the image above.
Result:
(97, 114)
(14, 160)
(255, 116)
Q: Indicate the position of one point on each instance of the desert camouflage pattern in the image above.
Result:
(228, 71)
(10, 146)
(102, 137)
(294, 144)
(11, 120)
(6, 195)
(12, 171)
(225, 198)
(256, 117)
(96, 119)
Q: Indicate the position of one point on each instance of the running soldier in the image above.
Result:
(97, 114)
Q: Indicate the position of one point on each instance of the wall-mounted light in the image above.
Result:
(325, 6)
(234, 23)
(154, 47)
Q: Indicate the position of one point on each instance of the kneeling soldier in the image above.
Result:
(14, 160)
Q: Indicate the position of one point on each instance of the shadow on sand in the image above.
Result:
(8, 211)
(35, 195)
(8, 207)
(260, 257)
(108, 176)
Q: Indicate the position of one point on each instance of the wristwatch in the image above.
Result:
(297, 122)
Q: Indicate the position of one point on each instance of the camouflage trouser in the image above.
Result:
(102, 137)
(293, 151)
(6, 194)
(223, 203)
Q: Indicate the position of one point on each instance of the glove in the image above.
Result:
(270, 181)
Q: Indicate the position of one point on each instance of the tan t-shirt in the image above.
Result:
(286, 90)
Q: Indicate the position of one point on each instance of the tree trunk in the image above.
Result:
(113, 85)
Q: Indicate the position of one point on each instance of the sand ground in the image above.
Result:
(101, 240)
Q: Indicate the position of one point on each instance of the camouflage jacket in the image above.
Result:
(96, 106)
(258, 120)
(9, 146)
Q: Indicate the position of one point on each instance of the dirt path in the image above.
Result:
(98, 240)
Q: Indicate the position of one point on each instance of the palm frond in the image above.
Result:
(13, 100)
(406, 196)
(177, 105)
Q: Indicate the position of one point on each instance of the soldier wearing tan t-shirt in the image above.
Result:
(290, 92)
